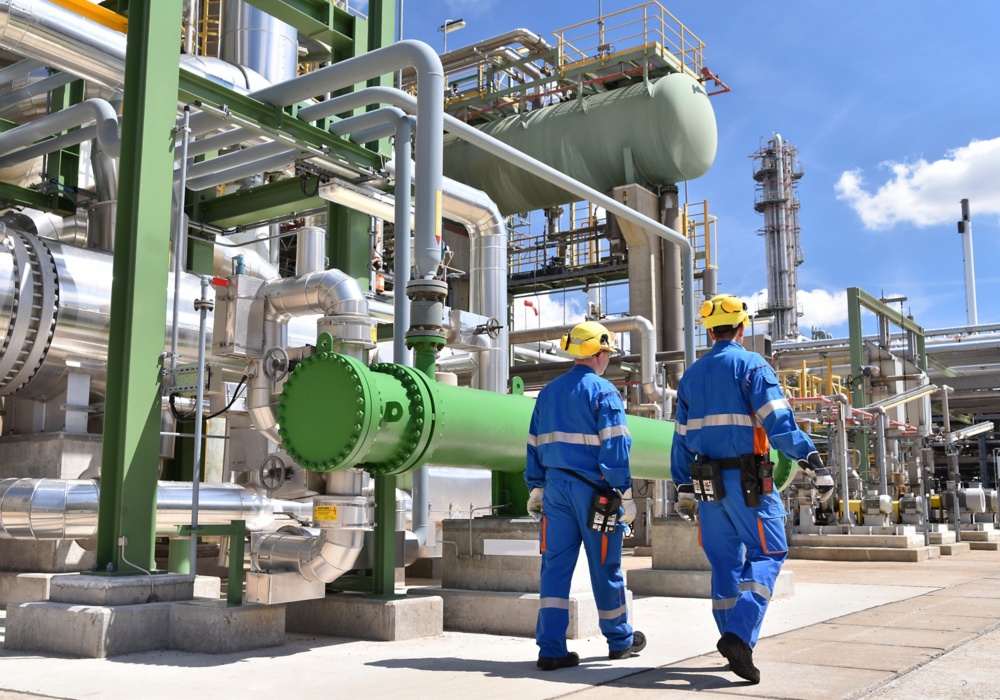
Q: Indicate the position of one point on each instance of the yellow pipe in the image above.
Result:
(95, 13)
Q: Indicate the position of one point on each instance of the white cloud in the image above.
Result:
(819, 308)
(554, 310)
(928, 193)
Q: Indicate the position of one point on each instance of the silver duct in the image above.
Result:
(66, 509)
(60, 38)
(38, 348)
(325, 292)
(252, 38)
(651, 389)
(335, 549)
(488, 272)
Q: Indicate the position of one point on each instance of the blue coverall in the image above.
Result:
(729, 403)
(578, 427)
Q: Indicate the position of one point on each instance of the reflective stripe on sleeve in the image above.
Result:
(720, 419)
(614, 431)
(770, 407)
(569, 438)
(532, 440)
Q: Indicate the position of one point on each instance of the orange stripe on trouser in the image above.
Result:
(541, 547)
(604, 548)
(763, 539)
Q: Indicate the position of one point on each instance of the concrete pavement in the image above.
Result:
(876, 630)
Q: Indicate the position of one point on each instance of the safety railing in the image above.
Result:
(649, 27)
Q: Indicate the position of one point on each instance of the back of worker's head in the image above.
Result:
(587, 339)
(724, 314)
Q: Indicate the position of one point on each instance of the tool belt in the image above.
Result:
(756, 477)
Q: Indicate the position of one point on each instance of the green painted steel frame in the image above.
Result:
(285, 197)
(131, 446)
(317, 19)
(236, 532)
(856, 300)
(197, 90)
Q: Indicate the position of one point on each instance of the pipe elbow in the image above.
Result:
(106, 120)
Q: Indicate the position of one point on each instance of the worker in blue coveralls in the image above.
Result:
(729, 404)
(578, 446)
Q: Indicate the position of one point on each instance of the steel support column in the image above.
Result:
(132, 416)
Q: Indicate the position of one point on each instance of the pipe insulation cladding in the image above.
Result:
(663, 132)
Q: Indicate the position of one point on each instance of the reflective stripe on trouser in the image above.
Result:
(742, 586)
(566, 506)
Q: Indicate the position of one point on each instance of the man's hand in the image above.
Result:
(535, 503)
(686, 506)
(628, 507)
(812, 466)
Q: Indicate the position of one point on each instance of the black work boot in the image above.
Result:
(740, 657)
(638, 644)
(551, 663)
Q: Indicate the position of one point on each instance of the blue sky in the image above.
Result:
(894, 110)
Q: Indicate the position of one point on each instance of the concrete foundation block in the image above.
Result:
(87, 631)
(83, 589)
(675, 545)
(45, 556)
(513, 614)
(368, 617)
(986, 535)
(692, 584)
(943, 537)
(49, 455)
(908, 541)
(865, 553)
(992, 546)
(212, 627)
(23, 588)
(207, 587)
(498, 554)
(948, 550)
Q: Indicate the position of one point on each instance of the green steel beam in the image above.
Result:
(384, 572)
(197, 90)
(131, 447)
(318, 19)
(349, 244)
(856, 300)
(265, 202)
(64, 166)
(51, 202)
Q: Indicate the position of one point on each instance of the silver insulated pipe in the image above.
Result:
(66, 509)
(342, 516)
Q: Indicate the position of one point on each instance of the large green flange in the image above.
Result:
(323, 432)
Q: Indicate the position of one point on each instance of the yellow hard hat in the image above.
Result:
(724, 310)
(587, 339)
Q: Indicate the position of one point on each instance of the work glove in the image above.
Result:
(535, 503)
(686, 505)
(819, 475)
(628, 508)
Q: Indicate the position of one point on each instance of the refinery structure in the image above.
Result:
(258, 287)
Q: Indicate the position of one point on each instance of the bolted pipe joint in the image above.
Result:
(427, 308)
(351, 335)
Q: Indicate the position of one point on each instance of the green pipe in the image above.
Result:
(335, 413)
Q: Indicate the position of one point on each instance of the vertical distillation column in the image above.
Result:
(777, 173)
